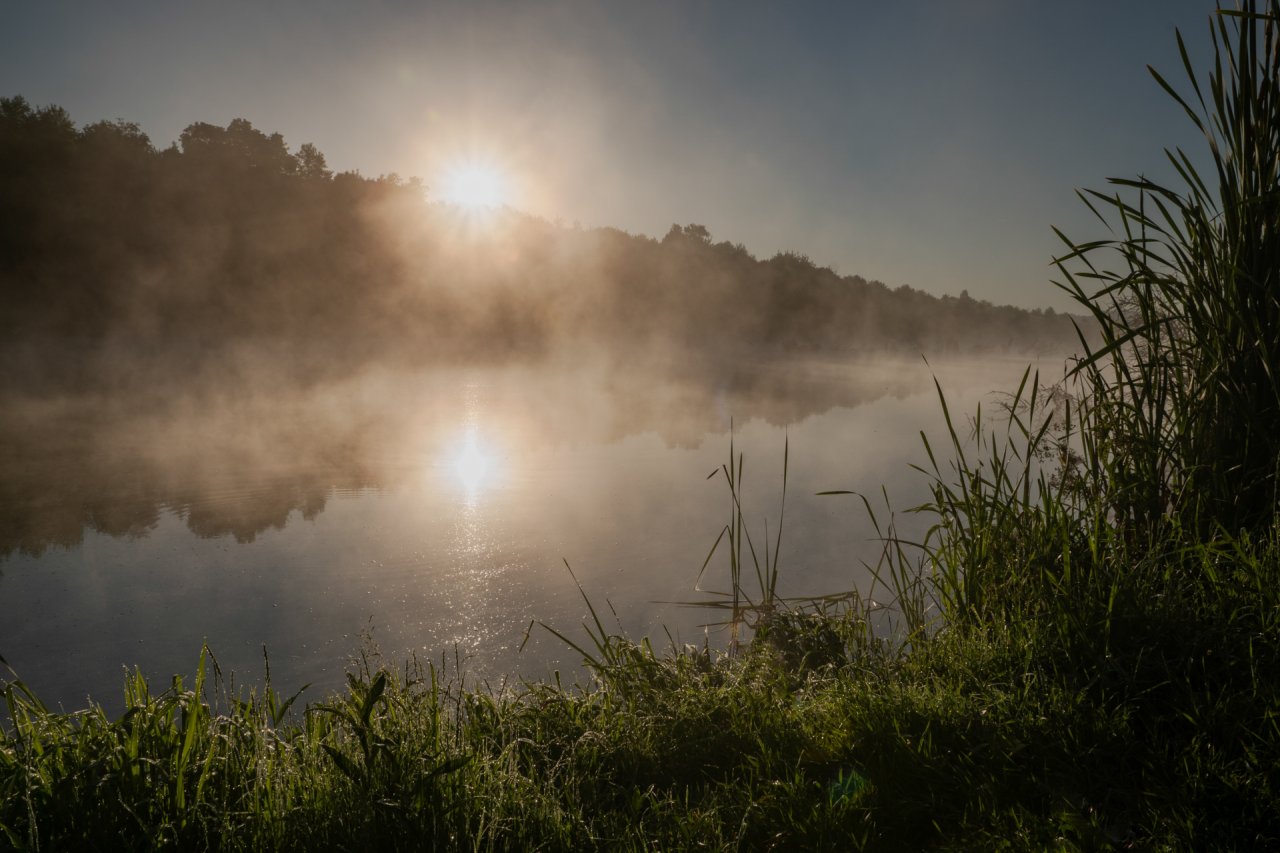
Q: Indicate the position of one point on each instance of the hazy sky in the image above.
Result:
(929, 143)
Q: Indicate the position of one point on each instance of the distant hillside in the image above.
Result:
(225, 257)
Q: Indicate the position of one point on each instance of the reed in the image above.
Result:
(1183, 400)
(1084, 647)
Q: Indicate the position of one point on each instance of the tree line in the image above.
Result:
(227, 258)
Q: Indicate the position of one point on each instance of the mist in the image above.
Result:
(225, 262)
(225, 305)
(215, 344)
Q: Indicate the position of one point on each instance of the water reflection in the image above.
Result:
(439, 517)
(245, 467)
(472, 467)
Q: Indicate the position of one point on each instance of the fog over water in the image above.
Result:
(252, 402)
(433, 511)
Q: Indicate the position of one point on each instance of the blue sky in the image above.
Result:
(925, 143)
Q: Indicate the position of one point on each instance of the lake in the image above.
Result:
(432, 514)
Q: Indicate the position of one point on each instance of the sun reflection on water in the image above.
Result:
(473, 466)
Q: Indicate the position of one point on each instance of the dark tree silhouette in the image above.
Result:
(225, 261)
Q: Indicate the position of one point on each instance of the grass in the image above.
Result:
(992, 736)
(1085, 644)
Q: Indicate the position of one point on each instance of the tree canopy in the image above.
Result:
(127, 266)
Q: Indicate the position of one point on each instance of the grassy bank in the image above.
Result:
(1154, 726)
(1083, 657)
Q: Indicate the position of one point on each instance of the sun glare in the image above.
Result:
(474, 185)
(472, 465)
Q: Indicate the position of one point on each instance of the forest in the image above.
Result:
(226, 260)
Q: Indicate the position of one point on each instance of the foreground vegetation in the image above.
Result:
(1159, 730)
(1083, 652)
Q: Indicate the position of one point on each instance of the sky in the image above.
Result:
(931, 143)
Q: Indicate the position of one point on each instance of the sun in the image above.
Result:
(474, 185)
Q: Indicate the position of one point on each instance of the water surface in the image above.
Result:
(432, 514)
